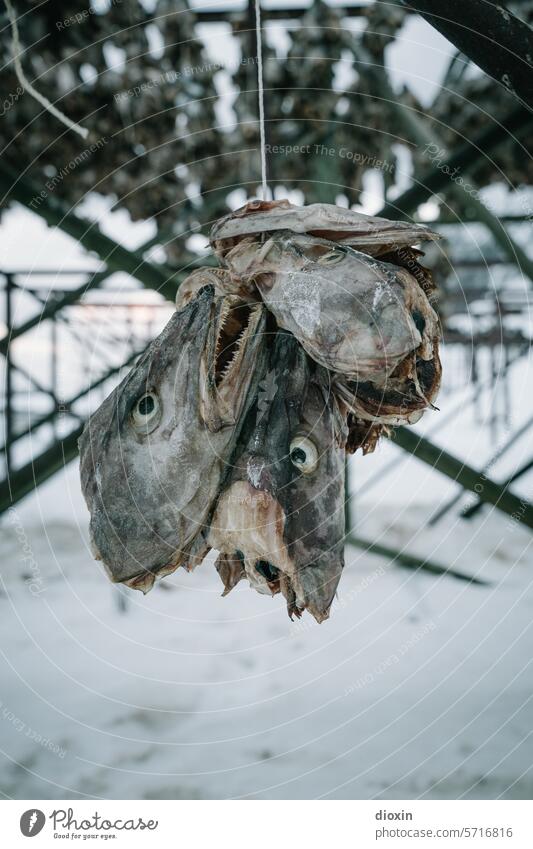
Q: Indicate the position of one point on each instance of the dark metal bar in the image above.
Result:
(87, 233)
(409, 561)
(348, 523)
(475, 508)
(474, 262)
(53, 368)
(26, 479)
(454, 74)
(491, 36)
(464, 161)
(9, 381)
(469, 478)
(49, 417)
(500, 453)
(443, 175)
(377, 477)
(54, 306)
(493, 338)
(446, 218)
(16, 367)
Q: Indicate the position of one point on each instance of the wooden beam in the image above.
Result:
(471, 511)
(464, 161)
(421, 135)
(475, 508)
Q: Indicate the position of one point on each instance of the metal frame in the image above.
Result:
(18, 482)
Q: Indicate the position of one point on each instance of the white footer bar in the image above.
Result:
(267, 824)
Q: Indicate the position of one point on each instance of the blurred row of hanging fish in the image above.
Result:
(230, 432)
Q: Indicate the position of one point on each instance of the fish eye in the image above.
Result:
(145, 413)
(323, 254)
(332, 257)
(303, 454)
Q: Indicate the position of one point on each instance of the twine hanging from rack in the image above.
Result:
(261, 97)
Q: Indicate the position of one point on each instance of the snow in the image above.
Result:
(418, 686)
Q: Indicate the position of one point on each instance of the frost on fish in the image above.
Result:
(301, 299)
(354, 292)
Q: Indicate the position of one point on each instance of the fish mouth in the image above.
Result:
(248, 529)
(188, 557)
(235, 323)
(402, 398)
(227, 363)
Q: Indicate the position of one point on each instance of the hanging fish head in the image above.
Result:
(153, 455)
(353, 313)
(280, 519)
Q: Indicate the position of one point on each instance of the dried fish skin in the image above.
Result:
(352, 313)
(315, 336)
(153, 456)
(282, 511)
(400, 399)
(370, 234)
(221, 280)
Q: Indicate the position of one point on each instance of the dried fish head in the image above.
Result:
(280, 520)
(153, 456)
(352, 313)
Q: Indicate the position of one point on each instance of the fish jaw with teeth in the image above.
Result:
(280, 519)
(400, 399)
(353, 314)
(153, 456)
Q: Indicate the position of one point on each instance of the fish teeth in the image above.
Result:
(239, 342)
(224, 313)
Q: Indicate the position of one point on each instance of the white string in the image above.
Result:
(260, 92)
(27, 86)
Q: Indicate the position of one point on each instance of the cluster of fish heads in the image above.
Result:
(229, 432)
(222, 436)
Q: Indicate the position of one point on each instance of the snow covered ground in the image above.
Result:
(418, 686)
